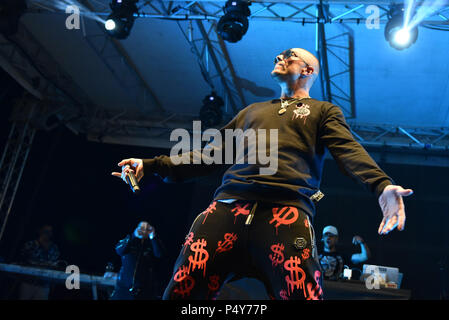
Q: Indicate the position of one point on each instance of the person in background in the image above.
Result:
(42, 253)
(332, 261)
(140, 252)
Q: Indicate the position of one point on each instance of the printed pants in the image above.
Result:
(269, 242)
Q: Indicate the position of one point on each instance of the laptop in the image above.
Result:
(388, 274)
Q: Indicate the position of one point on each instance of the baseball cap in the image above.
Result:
(331, 230)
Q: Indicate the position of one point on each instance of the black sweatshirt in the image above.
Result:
(305, 131)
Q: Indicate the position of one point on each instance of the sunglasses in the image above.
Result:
(288, 54)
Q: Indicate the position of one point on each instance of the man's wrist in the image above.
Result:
(381, 187)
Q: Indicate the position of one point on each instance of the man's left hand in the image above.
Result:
(357, 240)
(393, 209)
(151, 233)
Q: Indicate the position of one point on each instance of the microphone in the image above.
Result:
(132, 181)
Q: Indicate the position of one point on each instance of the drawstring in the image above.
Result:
(251, 214)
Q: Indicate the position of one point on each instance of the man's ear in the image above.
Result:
(309, 70)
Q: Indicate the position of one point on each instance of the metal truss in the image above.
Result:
(385, 143)
(426, 138)
(15, 156)
(405, 145)
(346, 11)
(336, 54)
(212, 55)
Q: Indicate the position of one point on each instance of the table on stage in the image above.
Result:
(243, 289)
(357, 290)
(250, 289)
(58, 276)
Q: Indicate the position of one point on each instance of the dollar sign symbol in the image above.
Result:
(213, 284)
(297, 275)
(278, 256)
(181, 274)
(285, 216)
(200, 257)
(212, 207)
(283, 294)
(305, 254)
(185, 282)
(240, 210)
(228, 244)
(317, 292)
(189, 240)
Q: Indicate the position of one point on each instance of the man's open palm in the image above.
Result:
(393, 209)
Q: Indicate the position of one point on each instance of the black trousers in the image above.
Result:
(269, 242)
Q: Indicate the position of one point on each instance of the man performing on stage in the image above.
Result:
(259, 225)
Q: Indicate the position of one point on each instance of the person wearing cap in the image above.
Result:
(332, 261)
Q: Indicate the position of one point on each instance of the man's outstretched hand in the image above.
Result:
(132, 164)
(393, 209)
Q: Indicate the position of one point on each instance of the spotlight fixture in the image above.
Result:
(120, 22)
(211, 113)
(10, 13)
(234, 24)
(397, 33)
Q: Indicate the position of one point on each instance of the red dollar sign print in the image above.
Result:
(238, 209)
(295, 280)
(185, 282)
(188, 242)
(213, 284)
(200, 257)
(285, 216)
(305, 254)
(315, 293)
(283, 294)
(211, 208)
(278, 254)
(227, 244)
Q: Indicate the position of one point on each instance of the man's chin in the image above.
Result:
(276, 74)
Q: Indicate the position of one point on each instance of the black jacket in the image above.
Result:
(305, 132)
(139, 260)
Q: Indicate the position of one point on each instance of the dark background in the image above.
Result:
(67, 183)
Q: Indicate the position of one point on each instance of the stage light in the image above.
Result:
(398, 34)
(211, 113)
(10, 13)
(234, 24)
(402, 37)
(109, 24)
(120, 22)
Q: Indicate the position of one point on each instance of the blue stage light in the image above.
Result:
(397, 33)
